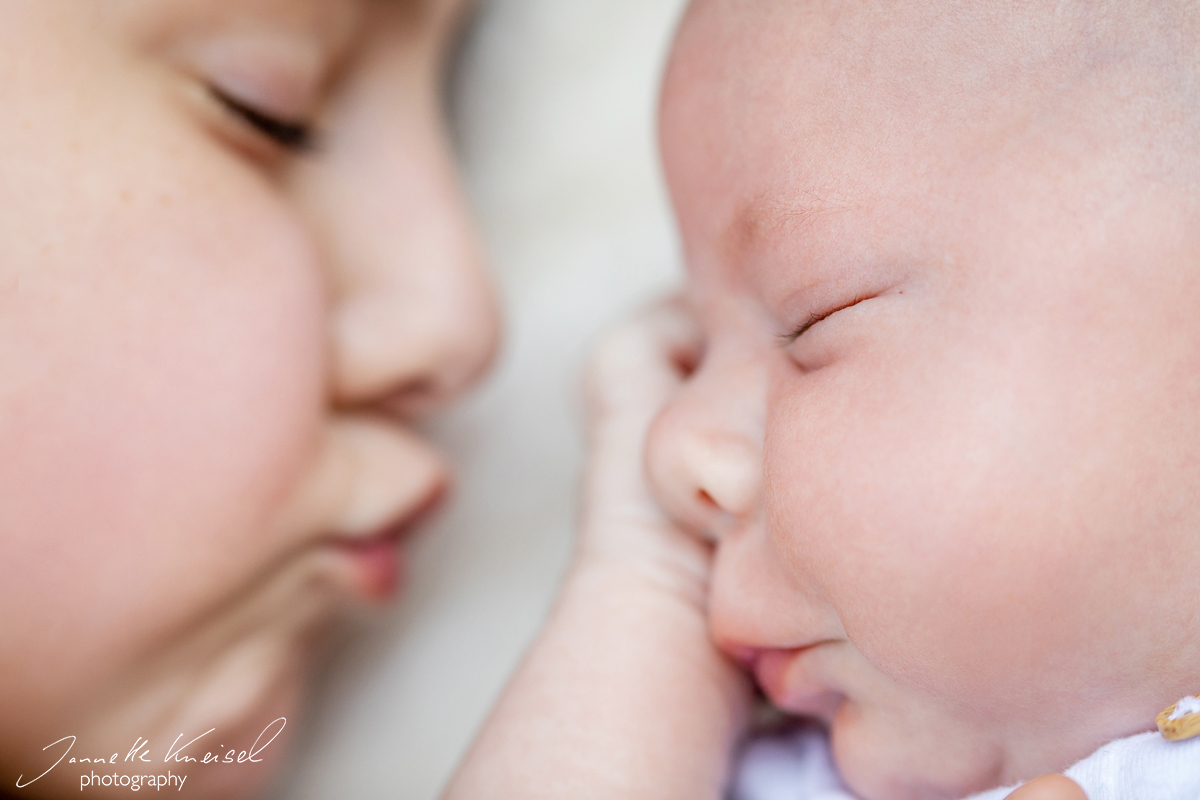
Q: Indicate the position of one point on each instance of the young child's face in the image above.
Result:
(945, 427)
(214, 324)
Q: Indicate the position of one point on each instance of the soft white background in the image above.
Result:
(553, 105)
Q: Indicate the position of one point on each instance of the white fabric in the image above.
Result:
(1146, 766)
(791, 766)
(797, 766)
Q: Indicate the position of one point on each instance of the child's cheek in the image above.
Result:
(162, 351)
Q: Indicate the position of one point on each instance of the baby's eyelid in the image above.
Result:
(788, 338)
(813, 319)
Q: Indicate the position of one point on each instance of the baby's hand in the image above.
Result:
(1049, 787)
(632, 374)
(623, 695)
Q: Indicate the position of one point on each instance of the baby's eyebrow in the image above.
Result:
(768, 215)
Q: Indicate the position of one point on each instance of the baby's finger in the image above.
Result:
(635, 371)
(635, 368)
(1049, 787)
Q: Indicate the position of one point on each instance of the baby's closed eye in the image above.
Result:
(827, 335)
(814, 318)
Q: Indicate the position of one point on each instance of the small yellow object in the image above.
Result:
(1185, 727)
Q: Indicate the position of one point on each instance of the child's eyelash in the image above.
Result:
(813, 319)
(292, 135)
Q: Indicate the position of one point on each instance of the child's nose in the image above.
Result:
(704, 452)
(416, 323)
(414, 315)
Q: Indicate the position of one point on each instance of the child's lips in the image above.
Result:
(377, 556)
(377, 565)
(402, 523)
(405, 523)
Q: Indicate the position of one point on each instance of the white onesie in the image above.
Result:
(797, 766)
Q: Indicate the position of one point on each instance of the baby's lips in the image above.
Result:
(783, 678)
(743, 655)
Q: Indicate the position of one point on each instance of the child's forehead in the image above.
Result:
(328, 20)
(334, 25)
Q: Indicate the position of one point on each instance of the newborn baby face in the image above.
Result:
(234, 265)
(944, 428)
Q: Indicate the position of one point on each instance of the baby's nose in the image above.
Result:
(704, 452)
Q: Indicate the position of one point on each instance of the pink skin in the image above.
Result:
(1049, 787)
(956, 518)
(210, 350)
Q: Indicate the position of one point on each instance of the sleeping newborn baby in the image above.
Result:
(935, 438)
(947, 260)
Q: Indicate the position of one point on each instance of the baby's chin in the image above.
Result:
(880, 761)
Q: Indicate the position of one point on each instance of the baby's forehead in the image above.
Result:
(826, 133)
(924, 86)
(948, 51)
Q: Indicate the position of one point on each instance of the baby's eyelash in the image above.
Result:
(813, 319)
(296, 136)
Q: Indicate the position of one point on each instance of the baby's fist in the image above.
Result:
(634, 371)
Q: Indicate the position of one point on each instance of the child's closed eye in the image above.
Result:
(296, 135)
(261, 91)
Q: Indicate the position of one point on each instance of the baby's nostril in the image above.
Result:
(685, 363)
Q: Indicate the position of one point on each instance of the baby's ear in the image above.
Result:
(1049, 787)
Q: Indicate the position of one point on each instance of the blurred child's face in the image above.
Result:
(945, 428)
(233, 263)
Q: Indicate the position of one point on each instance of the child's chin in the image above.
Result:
(227, 744)
(249, 748)
(248, 779)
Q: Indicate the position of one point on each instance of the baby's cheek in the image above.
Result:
(957, 605)
(896, 501)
